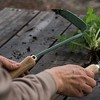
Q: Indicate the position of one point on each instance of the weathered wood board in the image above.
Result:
(38, 35)
(13, 22)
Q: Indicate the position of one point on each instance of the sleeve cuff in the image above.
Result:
(49, 81)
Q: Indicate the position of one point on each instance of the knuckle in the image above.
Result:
(89, 90)
(84, 77)
(89, 73)
(94, 83)
(92, 74)
(79, 71)
(80, 95)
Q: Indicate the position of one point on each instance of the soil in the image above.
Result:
(77, 6)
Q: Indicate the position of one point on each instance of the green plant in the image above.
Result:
(91, 40)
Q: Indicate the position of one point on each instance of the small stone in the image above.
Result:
(30, 35)
(56, 17)
(56, 54)
(34, 37)
(28, 49)
(23, 42)
(52, 30)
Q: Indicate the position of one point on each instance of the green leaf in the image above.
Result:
(89, 11)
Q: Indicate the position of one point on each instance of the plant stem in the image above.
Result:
(97, 33)
(80, 45)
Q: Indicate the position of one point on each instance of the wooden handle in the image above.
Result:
(26, 64)
(94, 68)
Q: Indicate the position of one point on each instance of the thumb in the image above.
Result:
(8, 64)
(13, 66)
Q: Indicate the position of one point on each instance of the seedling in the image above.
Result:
(90, 40)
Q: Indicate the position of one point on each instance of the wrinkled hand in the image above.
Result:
(8, 64)
(73, 80)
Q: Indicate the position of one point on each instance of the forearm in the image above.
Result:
(32, 87)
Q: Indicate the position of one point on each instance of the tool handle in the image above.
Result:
(94, 68)
(25, 65)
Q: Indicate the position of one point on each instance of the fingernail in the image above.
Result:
(16, 65)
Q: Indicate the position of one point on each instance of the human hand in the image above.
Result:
(73, 80)
(8, 64)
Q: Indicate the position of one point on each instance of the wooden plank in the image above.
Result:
(13, 24)
(3, 14)
(6, 14)
(45, 26)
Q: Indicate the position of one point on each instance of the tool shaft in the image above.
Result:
(65, 42)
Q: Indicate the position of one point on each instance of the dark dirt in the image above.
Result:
(28, 49)
(17, 54)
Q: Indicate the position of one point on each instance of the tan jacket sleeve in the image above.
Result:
(32, 87)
